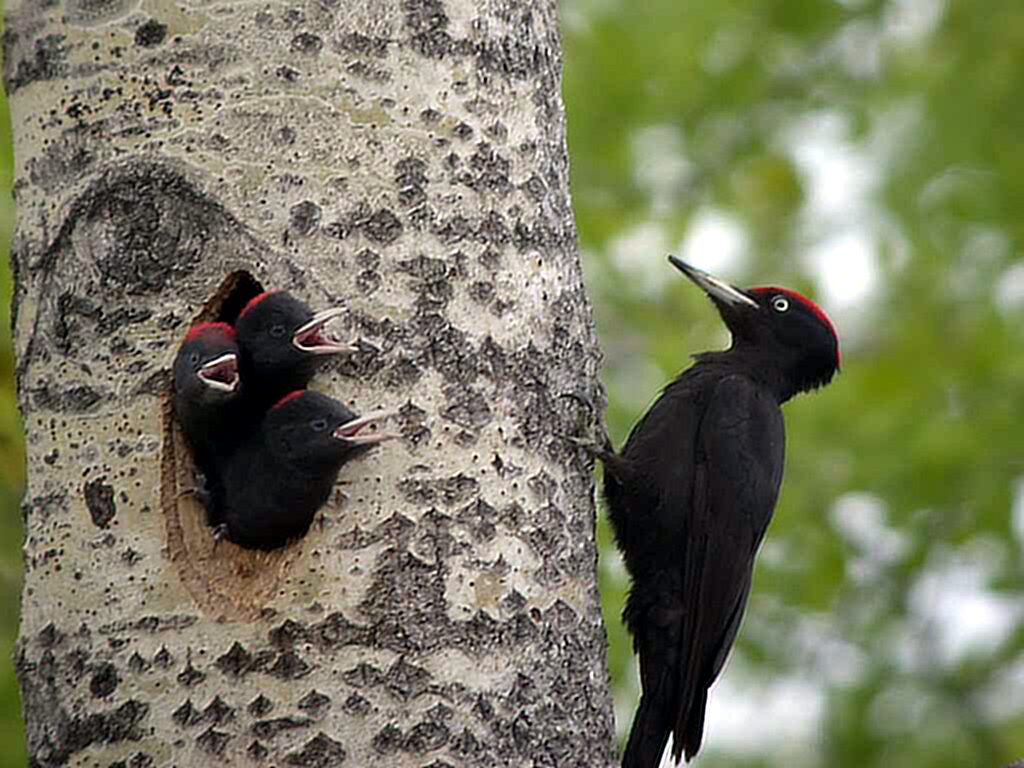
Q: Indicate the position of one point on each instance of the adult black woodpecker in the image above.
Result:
(282, 344)
(692, 492)
(207, 390)
(279, 478)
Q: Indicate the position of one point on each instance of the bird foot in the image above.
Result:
(599, 443)
(599, 447)
(201, 490)
(220, 533)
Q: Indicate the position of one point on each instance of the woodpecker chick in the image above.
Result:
(283, 343)
(284, 472)
(207, 390)
(691, 495)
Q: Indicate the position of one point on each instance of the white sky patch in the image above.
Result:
(860, 518)
(727, 47)
(845, 266)
(910, 22)
(1017, 510)
(846, 229)
(840, 176)
(716, 242)
(1001, 699)
(982, 251)
(900, 709)
(639, 253)
(637, 384)
(751, 715)
(857, 47)
(953, 606)
(626, 700)
(1009, 289)
(818, 645)
(660, 166)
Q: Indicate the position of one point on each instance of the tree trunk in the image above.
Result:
(405, 158)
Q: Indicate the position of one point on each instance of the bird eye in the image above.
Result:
(277, 331)
(780, 303)
(319, 425)
(193, 358)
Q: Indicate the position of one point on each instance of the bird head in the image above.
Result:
(206, 366)
(315, 432)
(280, 333)
(775, 328)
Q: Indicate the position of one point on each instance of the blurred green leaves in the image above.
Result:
(750, 115)
(882, 133)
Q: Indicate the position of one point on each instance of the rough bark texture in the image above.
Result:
(407, 159)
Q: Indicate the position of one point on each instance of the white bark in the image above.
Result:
(407, 159)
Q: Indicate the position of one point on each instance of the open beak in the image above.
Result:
(712, 286)
(350, 431)
(313, 338)
(221, 373)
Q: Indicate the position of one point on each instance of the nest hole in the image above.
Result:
(227, 581)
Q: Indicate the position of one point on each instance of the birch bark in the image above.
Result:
(406, 159)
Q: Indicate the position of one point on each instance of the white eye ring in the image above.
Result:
(780, 304)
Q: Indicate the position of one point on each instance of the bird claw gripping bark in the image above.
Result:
(199, 490)
(598, 443)
(220, 533)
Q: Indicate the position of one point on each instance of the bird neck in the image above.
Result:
(762, 369)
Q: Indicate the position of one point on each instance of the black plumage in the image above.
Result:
(207, 392)
(691, 495)
(282, 342)
(284, 472)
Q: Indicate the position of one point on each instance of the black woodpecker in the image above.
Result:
(207, 392)
(282, 344)
(279, 478)
(692, 492)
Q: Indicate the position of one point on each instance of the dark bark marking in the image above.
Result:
(320, 752)
(260, 706)
(54, 736)
(213, 742)
(104, 681)
(99, 500)
(186, 715)
(268, 729)
(356, 705)
(138, 760)
(426, 737)
(257, 751)
(218, 712)
(150, 34)
(289, 666)
(388, 741)
(315, 703)
(304, 218)
(93, 12)
(427, 24)
(47, 506)
(79, 398)
(47, 59)
(406, 681)
(307, 43)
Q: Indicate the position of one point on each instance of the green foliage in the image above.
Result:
(922, 427)
(678, 107)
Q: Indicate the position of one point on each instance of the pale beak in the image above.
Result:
(712, 286)
(312, 339)
(349, 431)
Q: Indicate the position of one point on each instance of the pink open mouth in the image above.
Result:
(221, 373)
(315, 339)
